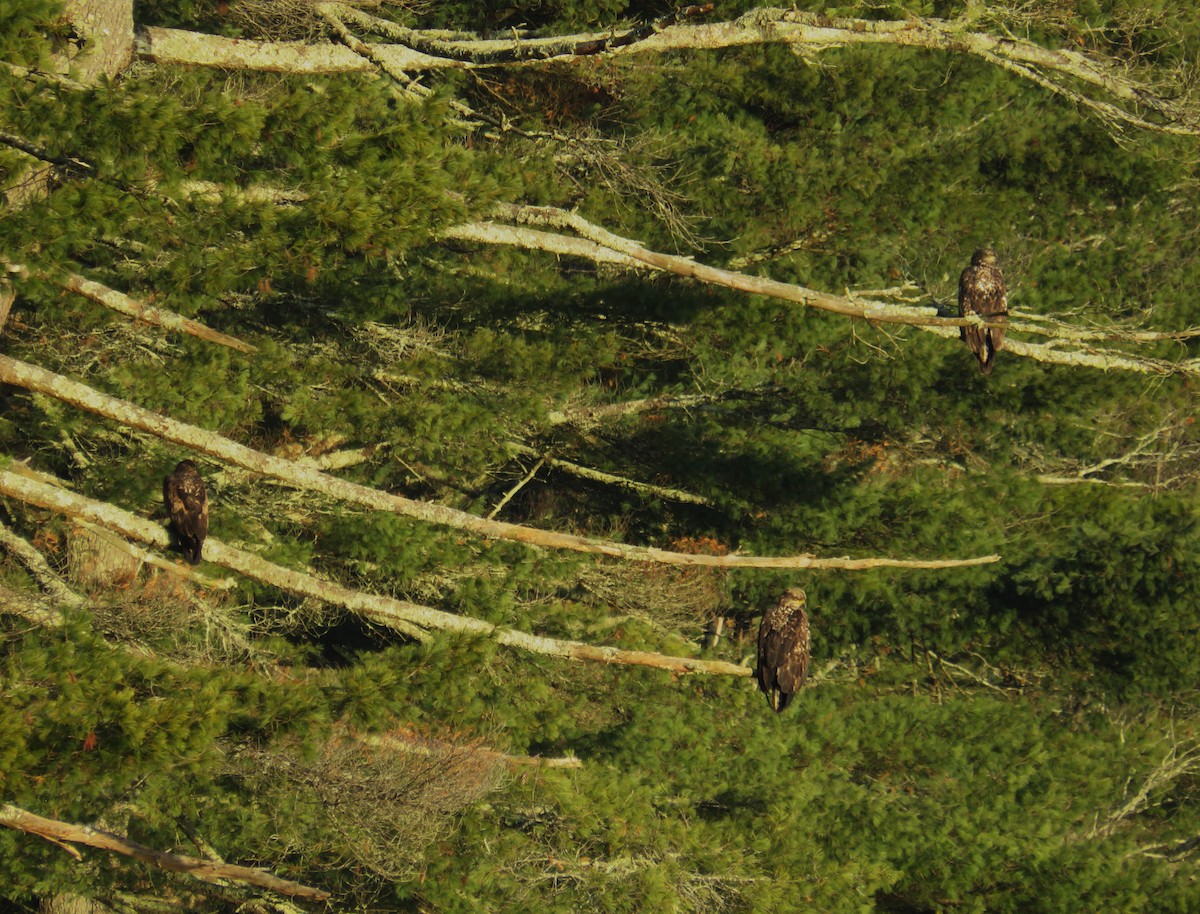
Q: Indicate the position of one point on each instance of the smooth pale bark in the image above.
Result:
(1067, 346)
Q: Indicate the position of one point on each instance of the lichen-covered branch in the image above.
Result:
(37, 566)
(34, 608)
(37, 379)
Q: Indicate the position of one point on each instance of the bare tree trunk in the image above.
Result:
(71, 904)
(105, 47)
(8, 295)
(96, 561)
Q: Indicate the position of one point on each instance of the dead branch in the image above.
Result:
(524, 481)
(37, 379)
(204, 870)
(629, 252)
(1181, 760)
(169, 320)
(624, 250)
(212, 192)
(428, 746)
(1108, 88)
(33, 608)
(1162, 458)
(410, 619)
(589, 416)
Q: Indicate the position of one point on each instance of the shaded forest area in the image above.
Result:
(528, 353)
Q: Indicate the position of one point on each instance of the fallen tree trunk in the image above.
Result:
(63, 833)
(37, 379)
(411, 619)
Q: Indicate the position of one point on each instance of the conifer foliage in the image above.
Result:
(393, 245)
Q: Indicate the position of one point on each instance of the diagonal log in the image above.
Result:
(37, 379)
(65, 833)
(160, 317)
(411, 619)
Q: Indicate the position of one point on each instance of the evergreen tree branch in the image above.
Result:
(69, 165)
(849, 305)
(204, 870)
(160, 317)
(410, 619)
(1117, 95)
(37, 379)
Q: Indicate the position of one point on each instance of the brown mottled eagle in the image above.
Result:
(981, 291)
(783, 644)
(187, 503)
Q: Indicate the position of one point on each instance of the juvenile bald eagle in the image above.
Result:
(981, 291)
(187, 503)
(783, 644)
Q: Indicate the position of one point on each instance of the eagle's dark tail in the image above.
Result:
(191, 549)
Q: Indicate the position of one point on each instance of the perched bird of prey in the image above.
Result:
(981, 291)
(187, 503)
(783, 645)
